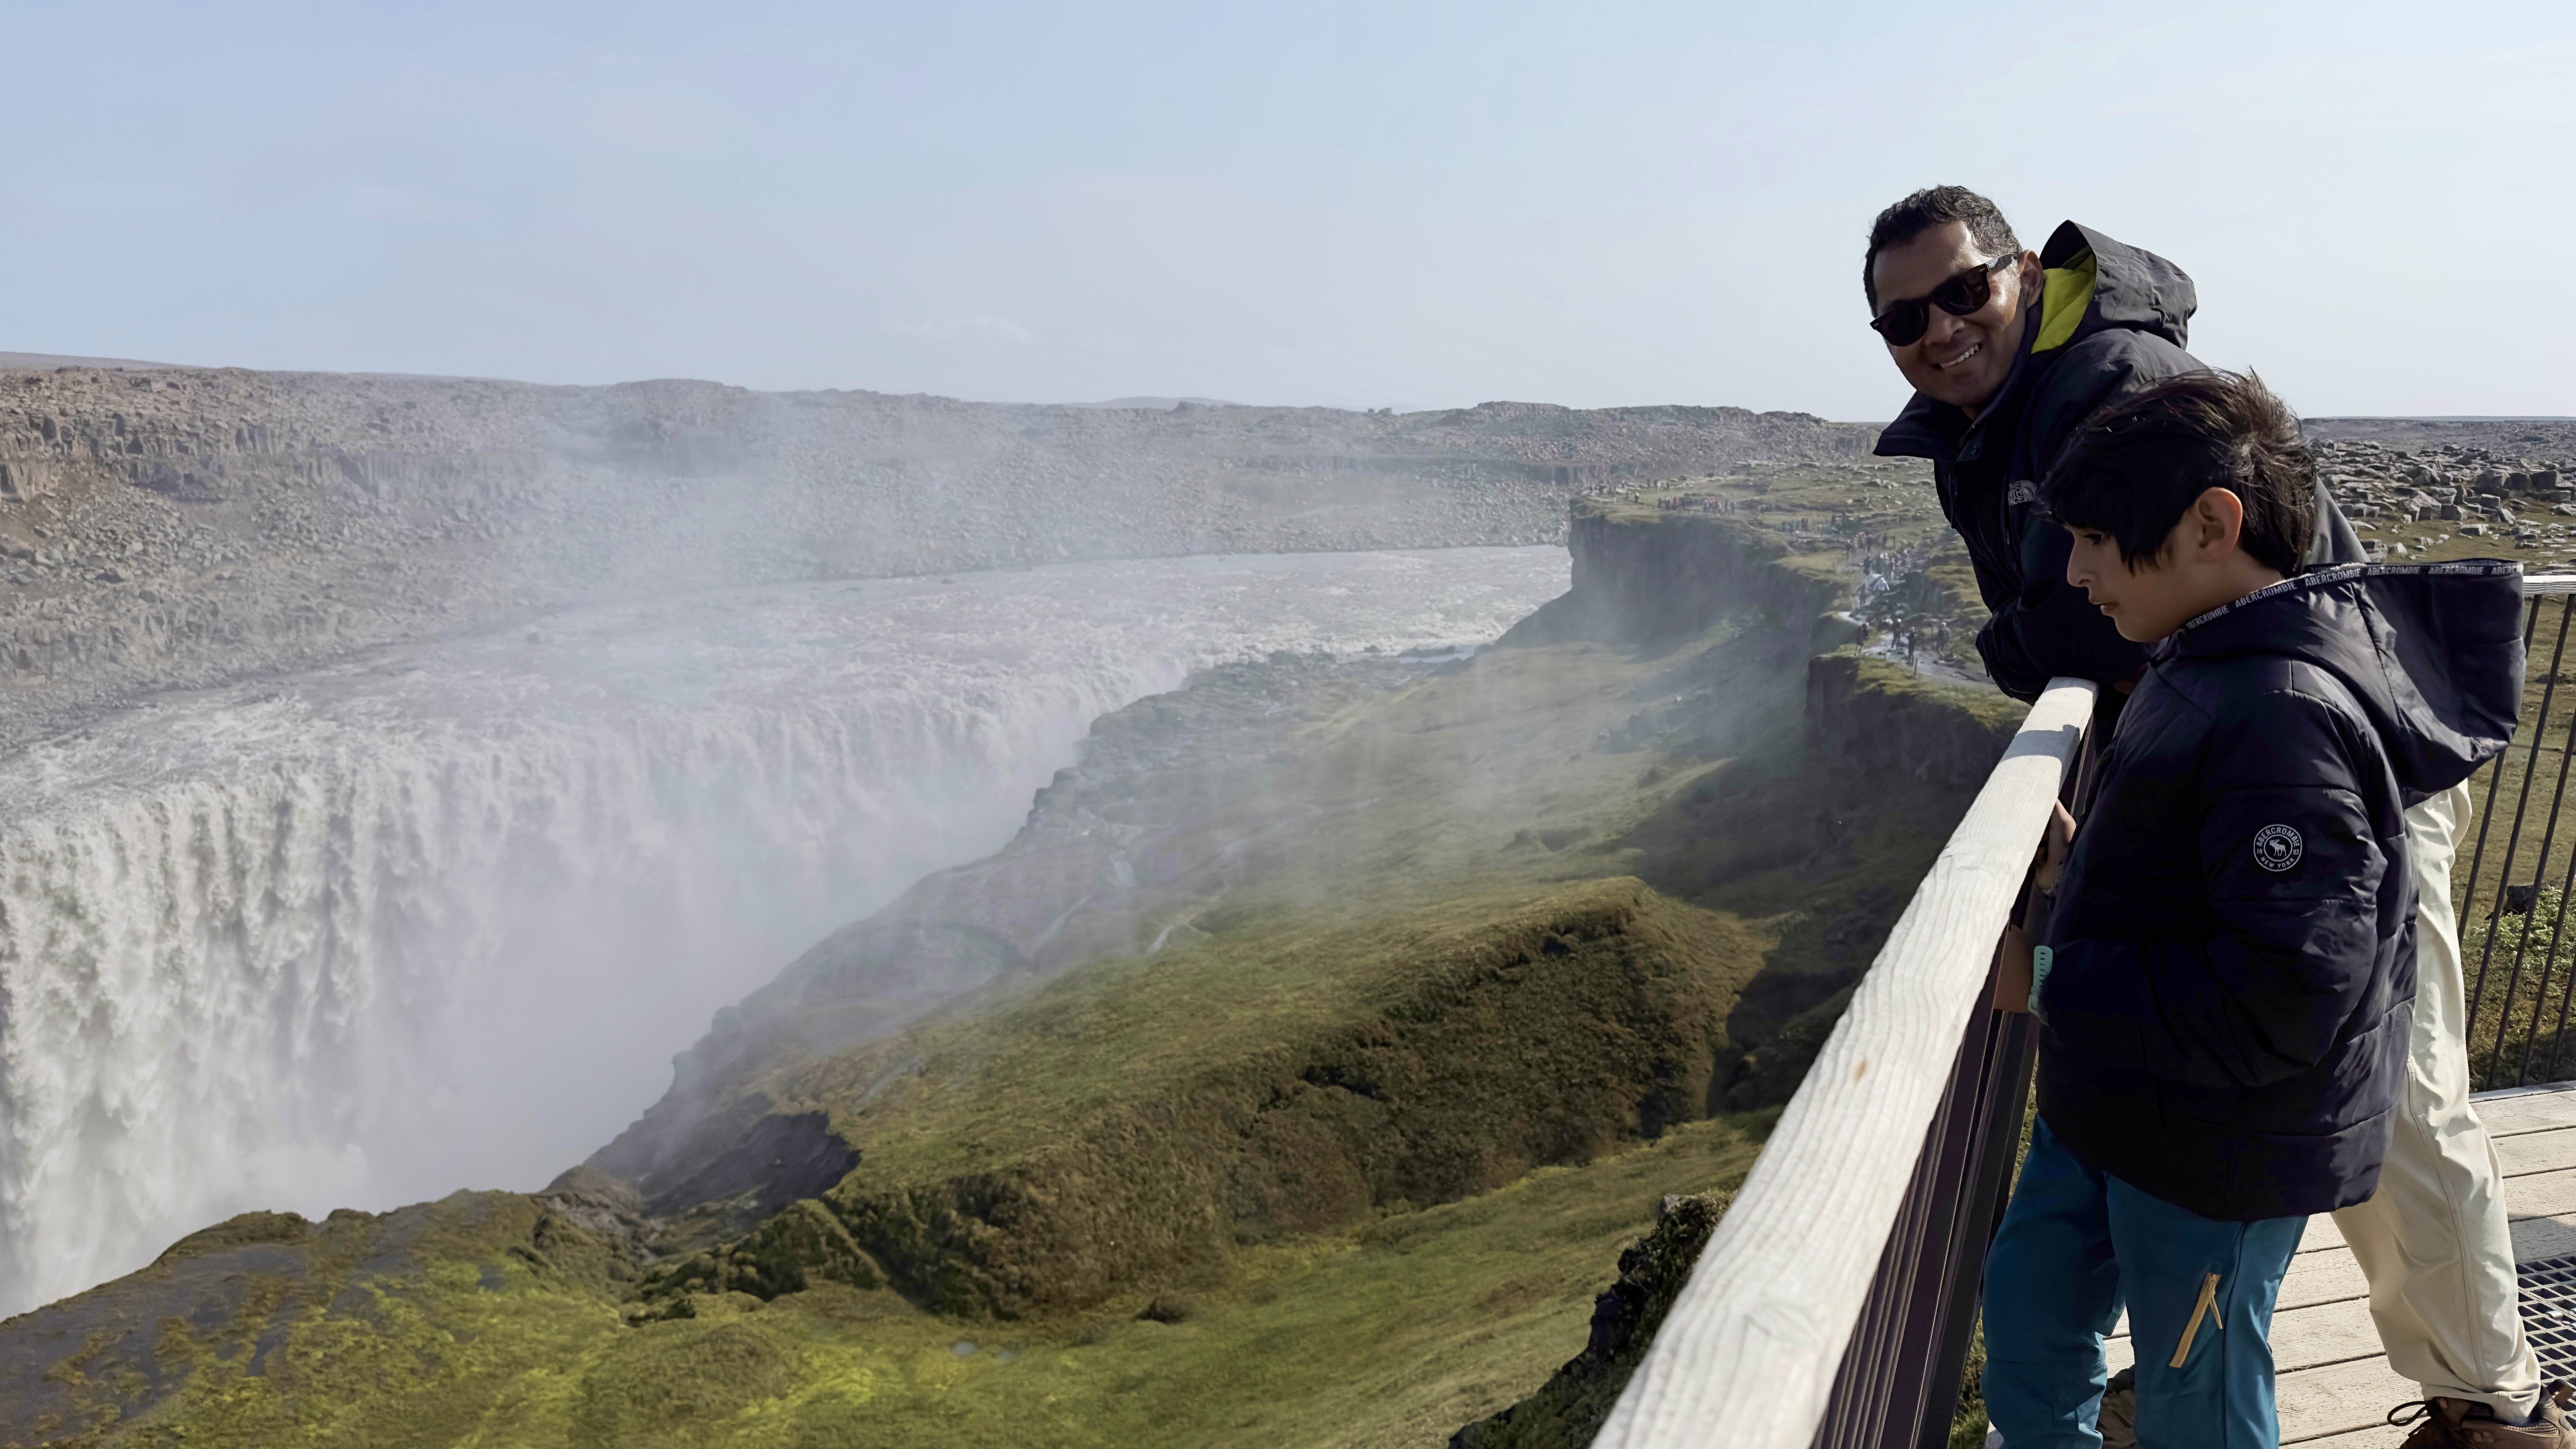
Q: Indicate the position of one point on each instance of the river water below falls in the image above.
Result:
(438, 918)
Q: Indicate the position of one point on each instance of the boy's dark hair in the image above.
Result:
(2133, 469)
(1927, 209)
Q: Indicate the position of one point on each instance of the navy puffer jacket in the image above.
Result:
(2231, 963)
(2112, 319)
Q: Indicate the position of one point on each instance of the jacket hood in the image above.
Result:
(2433, 652)
(2092, 284)
(2095, 284)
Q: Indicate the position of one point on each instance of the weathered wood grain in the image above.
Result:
(2537, 1238)
(2510, 1114)
(2530, 1152)
(2339, 1398)
(2333, 1276)
(2378, 1436)
(2320, 1234)
(1749, 1351)
(2542, 1195)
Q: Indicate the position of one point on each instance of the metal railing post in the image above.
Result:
(1898, 1386)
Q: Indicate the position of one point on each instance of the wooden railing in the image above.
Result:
(1749, 1354)
(1833, 1305)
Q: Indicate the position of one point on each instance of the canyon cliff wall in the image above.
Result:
(1643, 577)
(183, 527)
(1871, 716)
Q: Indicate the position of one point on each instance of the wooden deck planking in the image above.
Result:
(2321, 1234)
(2536, 1152)
(2542, 1194)
(2539, 1109)
(2339, 1398)
(2335, 1388)
(2379, 1436)
(2328, 1277)
(2542, 1238)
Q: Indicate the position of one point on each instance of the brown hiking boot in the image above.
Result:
(2468, 1424)
(2119, 1421)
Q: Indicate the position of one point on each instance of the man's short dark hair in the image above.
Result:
(1927, 209)
(2133, 469)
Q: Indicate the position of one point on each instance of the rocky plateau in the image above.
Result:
(180, 527)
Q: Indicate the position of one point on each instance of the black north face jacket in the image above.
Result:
(2112, 320)
(2230, 967)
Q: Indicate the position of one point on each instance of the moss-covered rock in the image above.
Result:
(1571, 1408)
(681, 1385)
(1129, 1126)
(269, 1328)
(801, 1246)
(1873, 717)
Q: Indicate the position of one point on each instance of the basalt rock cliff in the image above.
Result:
(184, 526)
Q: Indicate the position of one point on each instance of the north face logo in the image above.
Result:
(2278, 847)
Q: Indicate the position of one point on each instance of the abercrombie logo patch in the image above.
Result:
(2021, 491)
(2277, 847)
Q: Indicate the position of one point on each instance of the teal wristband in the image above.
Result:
(2040, 961)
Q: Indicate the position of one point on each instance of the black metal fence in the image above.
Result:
(1898, 1387)
(2518, 955)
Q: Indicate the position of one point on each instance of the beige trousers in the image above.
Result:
(2432, 1240)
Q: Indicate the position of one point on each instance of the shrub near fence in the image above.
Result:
(2519, 1030)
(2520, 856)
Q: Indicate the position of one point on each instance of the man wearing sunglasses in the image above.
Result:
(2008, 351)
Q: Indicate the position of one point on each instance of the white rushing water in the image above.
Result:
(439, 918)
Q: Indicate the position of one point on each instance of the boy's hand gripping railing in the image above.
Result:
(1869, 1190)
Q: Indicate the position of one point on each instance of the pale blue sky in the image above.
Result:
(1320, 202)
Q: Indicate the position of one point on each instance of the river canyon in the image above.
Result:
(436, 917)
(569, 888)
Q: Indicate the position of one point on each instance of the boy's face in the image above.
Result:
(2136, 600)
(2201, 566)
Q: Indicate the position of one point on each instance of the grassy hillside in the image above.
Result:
(1128, 1125)
(1392, 1332)
(1466, 980)
(1358, 1180)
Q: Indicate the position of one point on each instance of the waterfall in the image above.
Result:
(439, 918)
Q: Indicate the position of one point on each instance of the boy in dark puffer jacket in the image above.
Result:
(2225, 985)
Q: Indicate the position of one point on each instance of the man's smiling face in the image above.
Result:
(1962, 361)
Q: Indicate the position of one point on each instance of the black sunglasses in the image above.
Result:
(1903, 323)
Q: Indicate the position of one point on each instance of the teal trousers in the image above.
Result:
(2077, 1245)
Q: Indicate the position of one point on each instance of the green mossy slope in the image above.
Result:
(1344, 1165)
(1128, 1125)
(1577, 1399)
(1389, 1334)
(358, 1329)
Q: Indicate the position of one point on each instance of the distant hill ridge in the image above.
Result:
(167, 526)
(51, 360)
